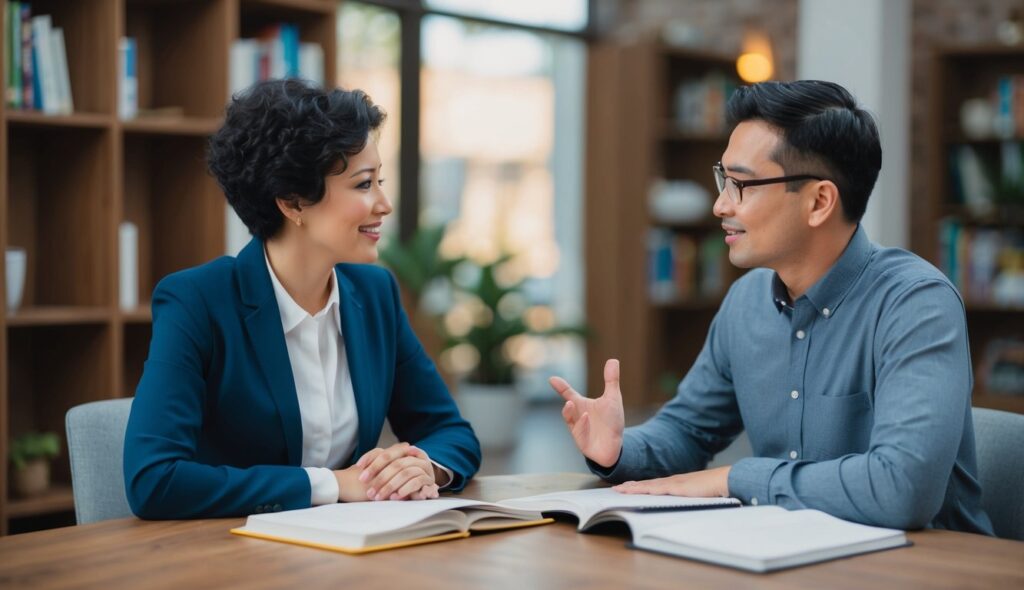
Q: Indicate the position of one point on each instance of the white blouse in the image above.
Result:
(323, 384)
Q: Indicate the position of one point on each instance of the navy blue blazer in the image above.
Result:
(215, 430)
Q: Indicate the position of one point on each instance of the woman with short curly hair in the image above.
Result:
(270, 375)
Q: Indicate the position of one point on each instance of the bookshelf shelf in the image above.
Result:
(671, 132)
(1006, 403)
(140, 315)
(186, 126)
(652, 336)
(58, 498)
(695, 304)
(81, 120)
(316, 7)
(59, 316)
(68, 181)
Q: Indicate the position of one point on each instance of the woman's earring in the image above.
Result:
(298, 221)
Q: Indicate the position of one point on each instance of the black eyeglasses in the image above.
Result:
(734, 188)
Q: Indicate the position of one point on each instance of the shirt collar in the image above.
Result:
(830, 290)
(292, 313)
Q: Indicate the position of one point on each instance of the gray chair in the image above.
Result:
(95, 448)
(999, 437)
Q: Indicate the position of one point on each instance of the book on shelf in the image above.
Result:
(983, 263)
(276, 53)
(127, 79)
(683, 267)
(365, 527)
(699, 103)
(758, 538)
(36, 62)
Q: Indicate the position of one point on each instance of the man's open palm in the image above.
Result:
(596, 424)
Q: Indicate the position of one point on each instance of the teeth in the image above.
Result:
(370, 230)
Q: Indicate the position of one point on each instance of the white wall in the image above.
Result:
(865, 46)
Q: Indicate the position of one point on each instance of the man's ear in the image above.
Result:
(824, 203)
(291, 209)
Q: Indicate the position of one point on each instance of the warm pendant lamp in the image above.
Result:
(755, 61)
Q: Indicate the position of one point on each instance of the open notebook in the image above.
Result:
(374, 526)
(758, 539)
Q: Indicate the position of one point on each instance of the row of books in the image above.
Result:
(981, 179)
(985, 264)
(36, 62)
(700, 103)
(277, 53)
(683, 267)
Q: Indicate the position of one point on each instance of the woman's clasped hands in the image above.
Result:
(398, 472)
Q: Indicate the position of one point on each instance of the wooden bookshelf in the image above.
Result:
(67, 182)
(959, 74)
(635, 137)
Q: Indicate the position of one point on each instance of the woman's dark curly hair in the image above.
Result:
(280, 138)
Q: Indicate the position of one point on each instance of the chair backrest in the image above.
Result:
(999, 438)
(95, 448)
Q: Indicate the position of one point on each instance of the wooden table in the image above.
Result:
(130, 553)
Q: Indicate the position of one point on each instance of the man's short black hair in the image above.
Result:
(823, 133)
(280, 138)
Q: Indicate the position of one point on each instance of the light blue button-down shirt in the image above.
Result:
(856, 397)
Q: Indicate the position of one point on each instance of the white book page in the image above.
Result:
(763, 533)
(361, 518)
(587, 504)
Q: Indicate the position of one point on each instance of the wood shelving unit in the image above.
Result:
(67, 182)
(961, 73)
(633, 139)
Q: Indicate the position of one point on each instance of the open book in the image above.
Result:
(593, 507)
(758, 539)
(363, 527)
(373, 526)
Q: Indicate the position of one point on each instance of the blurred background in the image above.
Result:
(550, 163)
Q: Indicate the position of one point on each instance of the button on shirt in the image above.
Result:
(855, 397)
(323, 384)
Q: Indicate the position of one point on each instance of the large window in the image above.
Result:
(369, 48)
(501, 125)
(493, 105)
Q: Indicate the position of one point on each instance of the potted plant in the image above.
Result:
(473, 321)
(420, 268)
(30, 455)
(489, 321)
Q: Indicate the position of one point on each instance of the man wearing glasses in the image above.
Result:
(846, 363)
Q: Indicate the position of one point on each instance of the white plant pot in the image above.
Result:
(494, 411)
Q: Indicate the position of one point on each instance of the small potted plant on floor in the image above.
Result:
(30, 455)
(486, 331)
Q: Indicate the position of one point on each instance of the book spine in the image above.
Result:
(290, 48)
(28, 96)
(62, 79)
(12, 48)
(44, 62)
(128, 249)
(311, 63)
(128, 82)
(244, 70)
